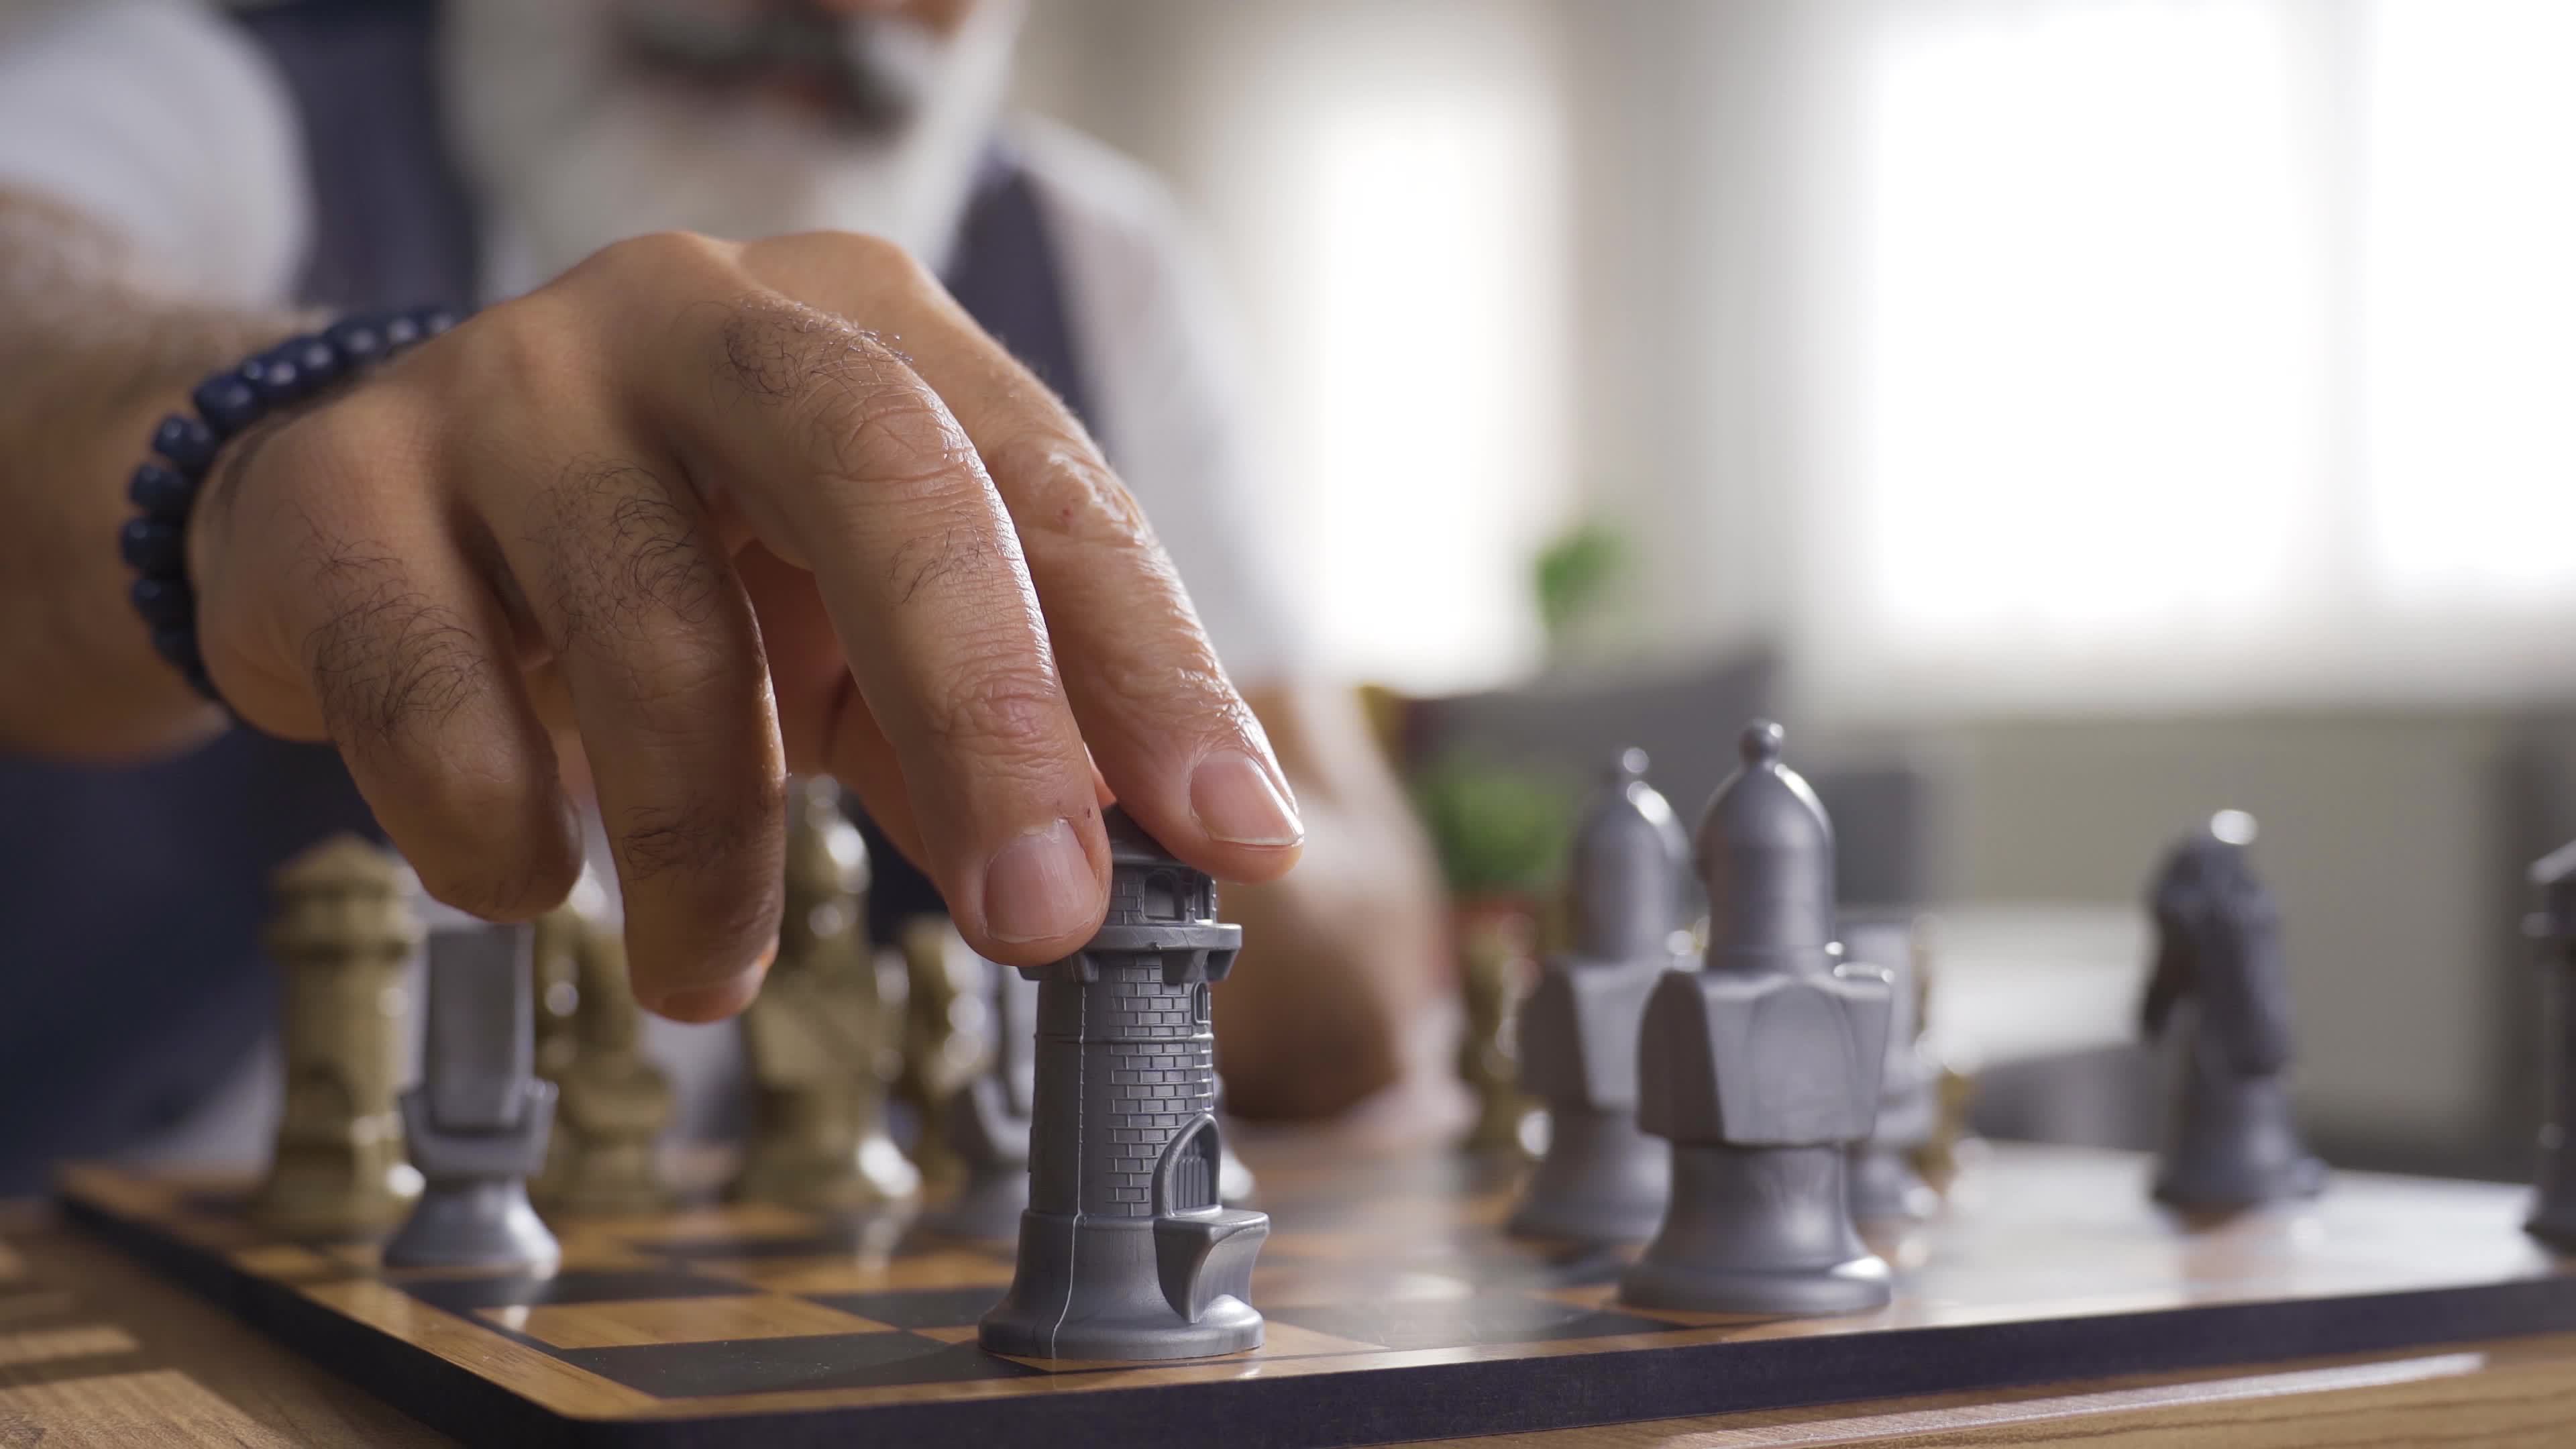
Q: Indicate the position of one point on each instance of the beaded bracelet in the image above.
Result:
(155, 544)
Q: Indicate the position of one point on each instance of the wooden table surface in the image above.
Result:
(95, 1351)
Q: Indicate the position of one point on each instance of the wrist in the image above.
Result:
(187, 447)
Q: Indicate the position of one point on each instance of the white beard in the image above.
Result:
(570, 148)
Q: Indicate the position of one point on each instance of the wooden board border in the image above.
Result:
(1454, 1398)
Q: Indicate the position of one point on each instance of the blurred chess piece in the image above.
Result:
(1601, 1179)
(1946, 1151)
(614, 1102)
(1496, 963)
(554, 984)
(2553, 928)
(554, 972)
(1886, 1186)
(478, 1122)
(984, 1120)
(341, 932)
(948, 1011)
(1762, 1069)
(2219, 997)
(818, 1035)
(1945, 1155)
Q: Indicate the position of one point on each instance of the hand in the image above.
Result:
(712, 513)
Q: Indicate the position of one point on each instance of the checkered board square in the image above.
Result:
(1396, 1306)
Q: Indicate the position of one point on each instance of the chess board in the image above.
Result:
(1397, 1310)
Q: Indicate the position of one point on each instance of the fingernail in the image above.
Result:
(1234, 801)
(698, 1004)
(1040, 885)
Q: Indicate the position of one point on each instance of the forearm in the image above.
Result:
(91, 354)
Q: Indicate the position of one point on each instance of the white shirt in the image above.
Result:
(164, 122)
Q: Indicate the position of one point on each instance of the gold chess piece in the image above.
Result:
(820, 1039)
(1941, 1157)
(945, 1042)
(614, 1102)
(1497, 960)
(341, 933)
(555, 946)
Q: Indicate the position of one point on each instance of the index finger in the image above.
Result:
(846, 463)
(1171, 735)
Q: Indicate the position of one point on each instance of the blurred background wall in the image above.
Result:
(2123, 408)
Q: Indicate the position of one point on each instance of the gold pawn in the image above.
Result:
(820, 1039)
(342, 931)
(615, 1103)
(1497, 962)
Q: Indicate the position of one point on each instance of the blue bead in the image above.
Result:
(152, 547)
(401, 331)
(179, 646)
(316, 359)
(161, 493)
(186, 442)
(358, 340)
(434, 320)
(227, 402)
(165, 603)
(274, 376)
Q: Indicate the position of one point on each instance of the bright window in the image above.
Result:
(2199, 349)
(1394, 184)
(2470, 258)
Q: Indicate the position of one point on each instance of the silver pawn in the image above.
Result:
(1601, 1179)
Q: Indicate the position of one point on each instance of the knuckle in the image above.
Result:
(316, 452)
(335, 463)
(628, 554)
(1064, 490)
(654, 257)
(1186, 687)
(857, 407)
(895, 265)
(776, 349)
(868, 256)
(1002, 710)
(727, 834)
(671, 687)
(517, 352)
(773, 347)
(891, 433)
(664, 563)
(387, 663)
(958, 548)
(390, 667)
(882, 256)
